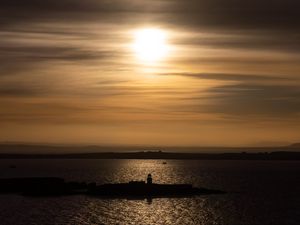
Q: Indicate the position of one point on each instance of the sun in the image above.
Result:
(150, 45)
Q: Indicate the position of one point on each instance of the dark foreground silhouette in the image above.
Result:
(52, 186)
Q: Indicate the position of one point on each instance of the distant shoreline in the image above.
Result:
(23, 151)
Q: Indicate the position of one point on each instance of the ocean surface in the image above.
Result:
(259, 193)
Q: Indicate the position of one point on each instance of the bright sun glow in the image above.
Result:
(150, 44)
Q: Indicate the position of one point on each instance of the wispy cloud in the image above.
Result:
(231, 77)
(249, 99)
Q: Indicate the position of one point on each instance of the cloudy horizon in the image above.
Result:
(68, 73)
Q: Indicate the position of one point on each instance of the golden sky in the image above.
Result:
(136, 72)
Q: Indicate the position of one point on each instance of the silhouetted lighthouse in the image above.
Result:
(149, 179)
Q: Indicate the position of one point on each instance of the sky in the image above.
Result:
(70, 74)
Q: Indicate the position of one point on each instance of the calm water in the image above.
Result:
(260, 192)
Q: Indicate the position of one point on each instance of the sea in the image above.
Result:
(258, 192)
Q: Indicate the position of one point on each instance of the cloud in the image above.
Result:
(245, 40)
(23, 54)
(248, 14)
(243, 96)
(254, 14)
(29, 11)
(230, 77)
(45, 53)
(248, 99)
(19, 91)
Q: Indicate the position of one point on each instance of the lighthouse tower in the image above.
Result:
(149, 179)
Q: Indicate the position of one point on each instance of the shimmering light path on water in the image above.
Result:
(260, 193)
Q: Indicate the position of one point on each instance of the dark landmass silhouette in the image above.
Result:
(295, 145)
(53, 186)
(10, 151)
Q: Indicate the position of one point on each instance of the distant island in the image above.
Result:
(23, 151)
(55, 186)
